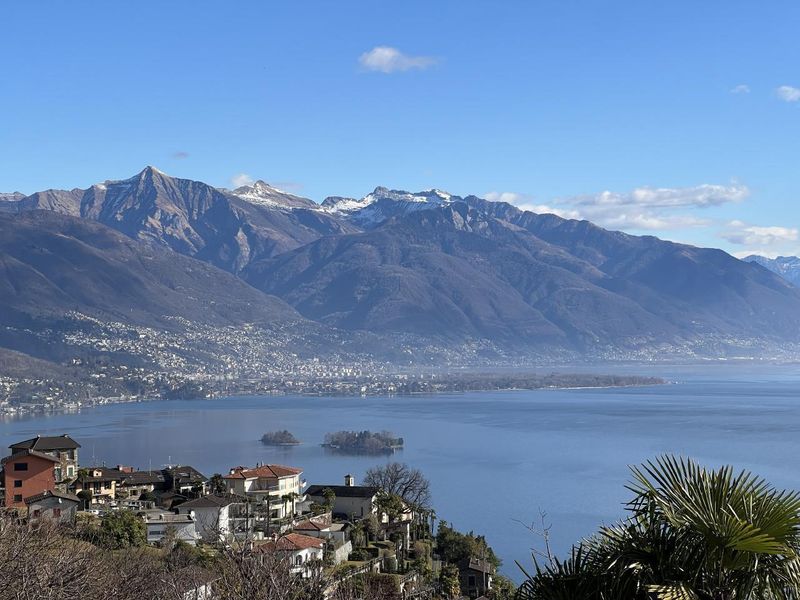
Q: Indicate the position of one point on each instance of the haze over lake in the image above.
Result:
(492, 457)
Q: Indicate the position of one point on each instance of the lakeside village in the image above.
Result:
(383, 533)
(113, 385)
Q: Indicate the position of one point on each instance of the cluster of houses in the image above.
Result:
(268, 506)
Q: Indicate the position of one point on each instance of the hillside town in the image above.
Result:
(336, 532)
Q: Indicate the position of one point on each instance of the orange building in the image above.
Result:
(28, 473)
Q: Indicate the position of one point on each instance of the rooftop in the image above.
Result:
(213, 501)
(27, 452)
(344, 491)
(292, 542)
(53, 494)
(47, 443)
(266, 471)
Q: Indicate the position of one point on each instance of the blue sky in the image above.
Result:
(680, 119)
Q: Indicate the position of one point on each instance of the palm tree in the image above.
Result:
(692, 534)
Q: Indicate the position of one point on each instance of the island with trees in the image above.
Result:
(279, 438)
(363, 442)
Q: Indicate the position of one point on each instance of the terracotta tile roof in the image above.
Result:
(291, 542)
(265, 471)
(319, 523)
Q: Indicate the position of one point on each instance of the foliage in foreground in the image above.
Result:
(692, 534)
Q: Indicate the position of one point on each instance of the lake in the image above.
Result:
(493, 458)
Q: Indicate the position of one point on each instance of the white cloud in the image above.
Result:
(643, 208)
(241, 179)
(700, 196)
(742, 88)
(386, 59)
(744, 234)
(788, 93)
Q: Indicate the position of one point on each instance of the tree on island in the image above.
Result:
(693, 533)
(400, 480)
(364, 442)
(279, 438)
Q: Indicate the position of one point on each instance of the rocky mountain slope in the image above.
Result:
(455, 270)
(787, 267)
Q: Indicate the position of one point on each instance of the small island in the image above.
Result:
(363, 442)
(279, 438)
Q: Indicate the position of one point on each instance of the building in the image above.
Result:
(276, 485)
(475, 576)
(53, 505)
(219, 517)
(323, 526)
(352, 501)
(135, 483)
(102, 482)
(28, 473)
(304, 552)
(183, 479)
(62, 447)
(162, 525)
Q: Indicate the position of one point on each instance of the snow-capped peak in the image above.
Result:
(263, 194)
(349, 205)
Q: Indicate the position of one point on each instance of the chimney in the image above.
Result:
(349, 480)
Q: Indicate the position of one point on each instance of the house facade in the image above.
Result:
(161, 525)
(53, 505)
(352, 501)
(61, 447)
(219, 517)
(304, 553)
(28, 473)
(278, 486)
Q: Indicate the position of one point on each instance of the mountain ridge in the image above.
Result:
(451, 268)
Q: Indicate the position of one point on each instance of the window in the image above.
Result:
(70, 471)
(298, 560)
(18, 483)
(20, 466)
(471, 581)
(17, 497)
(36, 513)
(56, 512)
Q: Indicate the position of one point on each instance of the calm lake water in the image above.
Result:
(493, 458)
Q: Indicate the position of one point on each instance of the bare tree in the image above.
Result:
(403, 481)
(38, 562)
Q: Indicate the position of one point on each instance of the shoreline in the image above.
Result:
(72, 409)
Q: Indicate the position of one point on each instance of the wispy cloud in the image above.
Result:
(241, 179)
(644, 208)
(386, 59)
(742, 88)
(788, 93)
(755, 236)
(180, 155)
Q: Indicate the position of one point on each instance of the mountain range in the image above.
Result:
(787, 267)
(382, 275)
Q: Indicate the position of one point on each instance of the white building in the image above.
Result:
(304, 552)
(162, 525)
(276, 485)
(219, 517)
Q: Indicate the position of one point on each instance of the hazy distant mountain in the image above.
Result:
(227, 229)
(787, 267)
(449, 268)
(465, 267)
(51, 264)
